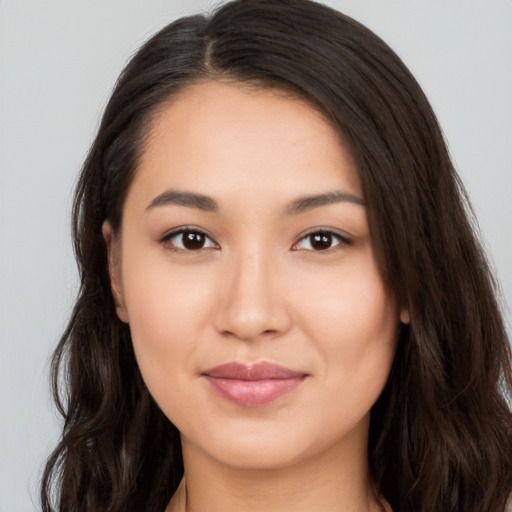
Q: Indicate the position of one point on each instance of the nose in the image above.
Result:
(252, 302)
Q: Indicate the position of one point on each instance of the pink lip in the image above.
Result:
(252, 385)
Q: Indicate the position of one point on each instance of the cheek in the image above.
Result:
(358, 333)
(161, 295)
(354, 322)
(350, 303)
(168, 307)
(165, 308)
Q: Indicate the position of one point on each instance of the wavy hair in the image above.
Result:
(441, 432)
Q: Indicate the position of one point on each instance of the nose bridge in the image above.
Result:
(252, 301)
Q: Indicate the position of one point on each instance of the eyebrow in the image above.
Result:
(306, 203)
(208, 204)
(188, 199)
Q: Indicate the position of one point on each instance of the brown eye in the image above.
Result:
(321, 241)
(193, 240)
(189, 240)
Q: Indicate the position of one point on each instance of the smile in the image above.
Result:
(253, 385)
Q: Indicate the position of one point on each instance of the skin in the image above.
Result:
(258, 290)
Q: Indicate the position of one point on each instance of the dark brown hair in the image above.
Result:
(441, 432)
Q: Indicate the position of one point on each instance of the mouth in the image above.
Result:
(252, 385)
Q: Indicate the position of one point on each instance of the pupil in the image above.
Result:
(321, 241)
(193, 240)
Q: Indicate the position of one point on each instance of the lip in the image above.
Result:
(252, 385)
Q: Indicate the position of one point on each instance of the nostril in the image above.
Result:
(250, 335)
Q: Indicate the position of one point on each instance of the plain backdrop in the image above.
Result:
(58, 62)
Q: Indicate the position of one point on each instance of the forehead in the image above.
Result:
(220, 136)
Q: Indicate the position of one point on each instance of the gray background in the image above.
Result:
(58, 63)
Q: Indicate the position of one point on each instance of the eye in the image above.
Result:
(188, 239)
(321, 240)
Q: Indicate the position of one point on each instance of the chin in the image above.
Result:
(267, 455)
(271, 445)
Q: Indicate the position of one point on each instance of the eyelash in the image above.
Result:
(167, 239)
(343, 241)
(331, 236)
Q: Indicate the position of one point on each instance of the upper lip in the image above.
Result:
(257, 371)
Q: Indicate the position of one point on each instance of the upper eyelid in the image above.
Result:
(168, 235)
(182, 229)
(344, 241)
(345, 237)
(341, 234)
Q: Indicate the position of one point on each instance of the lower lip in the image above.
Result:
(252, 393)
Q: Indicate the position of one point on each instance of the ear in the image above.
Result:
(405, 316)
(114, 268)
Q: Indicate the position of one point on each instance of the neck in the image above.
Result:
(331, 481)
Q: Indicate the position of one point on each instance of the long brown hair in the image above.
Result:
(441, 432)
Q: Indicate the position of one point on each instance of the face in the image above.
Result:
(245, 269)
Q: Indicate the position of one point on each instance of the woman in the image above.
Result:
(283, 305)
